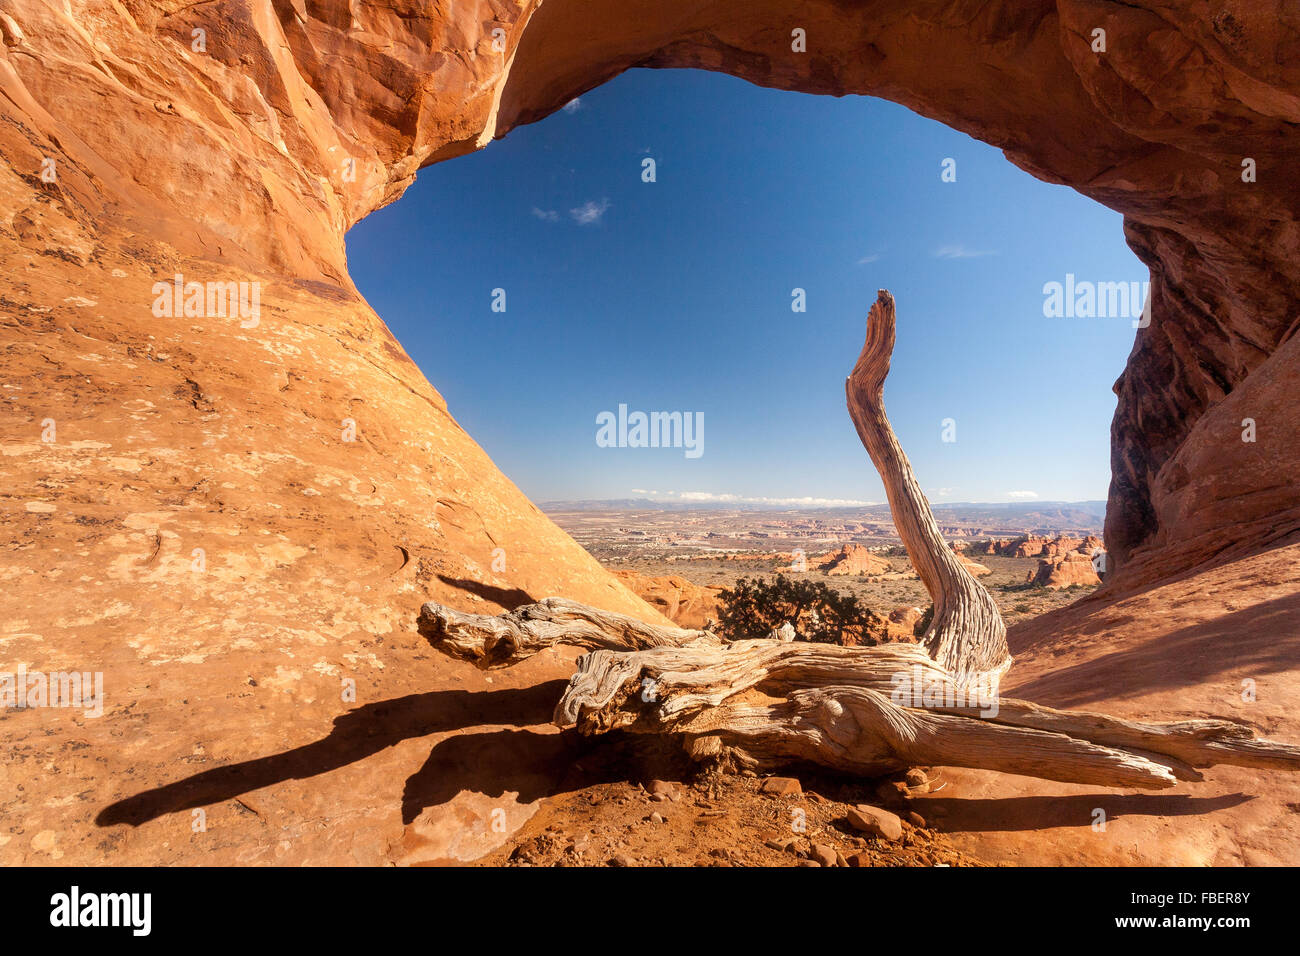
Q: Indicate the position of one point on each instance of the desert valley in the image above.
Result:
(678, 560)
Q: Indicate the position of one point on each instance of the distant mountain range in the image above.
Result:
(1037, 512)
(1064, 514)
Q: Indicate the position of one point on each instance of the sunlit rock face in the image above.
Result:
(234, 515)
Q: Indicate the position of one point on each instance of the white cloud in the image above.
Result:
(1022, 495)
(547, 215)
(868, 258)
(959, 251)
(589, 212)
(573, 105)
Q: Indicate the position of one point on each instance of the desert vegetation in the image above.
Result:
(816, 611)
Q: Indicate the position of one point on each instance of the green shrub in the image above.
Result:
(817, 612)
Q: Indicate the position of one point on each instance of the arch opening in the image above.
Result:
(685, 242)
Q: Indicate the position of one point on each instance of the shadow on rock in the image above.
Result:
(1006, 814)
(356, 735)
(537, 765)
(508, 598)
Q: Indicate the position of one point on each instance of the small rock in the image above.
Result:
(781, 787)
(823, 854)
(878, 822)
(859, 859)
(620, 859)
(915, 819)
(916, 778)
(664, 789)
(779, 843)
(657, 818)
(809, 863)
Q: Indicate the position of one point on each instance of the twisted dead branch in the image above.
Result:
(492, 642)
(967, 635)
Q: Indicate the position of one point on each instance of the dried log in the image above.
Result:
(608, 689)
(668, 690)
(1197, 743)
(966, 635)
(842, 706)
(859, 731)
(490, 641)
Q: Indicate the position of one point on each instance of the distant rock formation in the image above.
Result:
(852, 559)
(1063, 561)
(1072, 568)
(1030, 546)
(1036, 546)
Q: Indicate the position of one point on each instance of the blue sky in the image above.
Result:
(676, 296)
